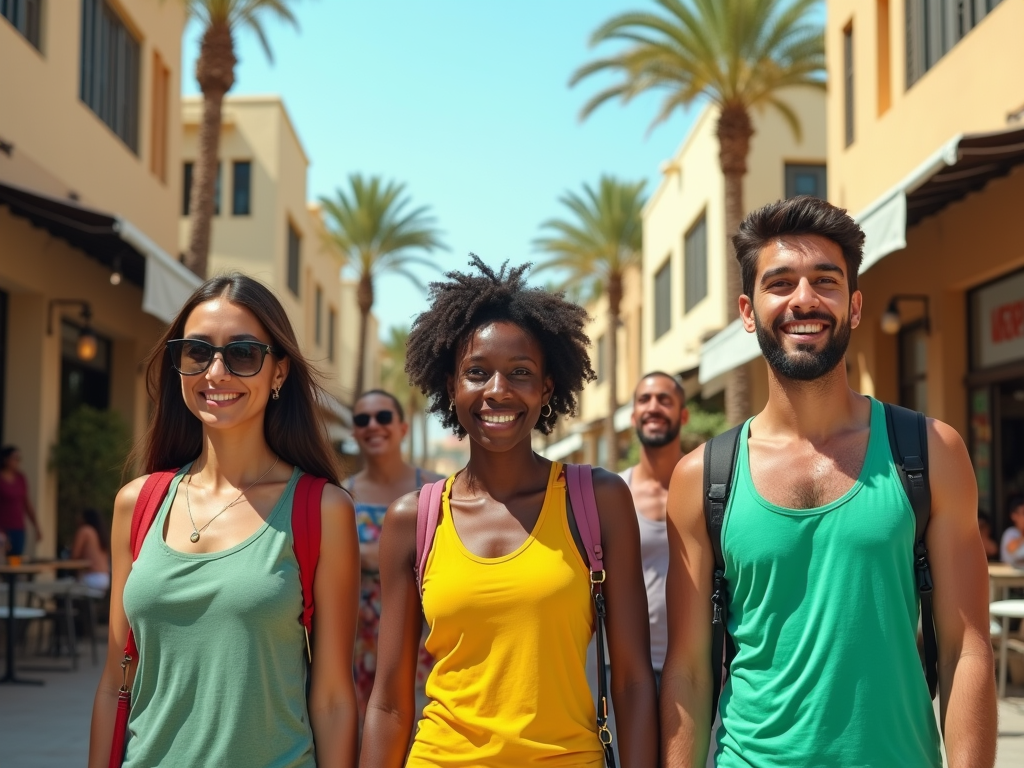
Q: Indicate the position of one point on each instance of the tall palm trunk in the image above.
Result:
(735, 130)
(215, 72)
(364, 297)
(612, 336)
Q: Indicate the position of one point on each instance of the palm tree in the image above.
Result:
(596, 245)
(215, 72)
(396, 381)
(739, 54)
(371, 224)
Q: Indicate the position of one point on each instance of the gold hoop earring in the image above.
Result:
(550, 410)
(275, 394)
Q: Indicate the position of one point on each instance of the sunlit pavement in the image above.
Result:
(48, 726)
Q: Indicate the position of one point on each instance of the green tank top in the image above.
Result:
(222, 669)
(823, 609)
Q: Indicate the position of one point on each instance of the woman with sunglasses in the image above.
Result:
(380, 427)
(505, 589)
(214, 598)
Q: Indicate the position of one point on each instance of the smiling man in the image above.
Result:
(818, 544)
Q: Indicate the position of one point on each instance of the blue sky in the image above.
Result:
(467, 102)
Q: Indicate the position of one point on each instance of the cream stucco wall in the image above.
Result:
(971, 89)
(258, 129)
(692, 185)
(61, 146)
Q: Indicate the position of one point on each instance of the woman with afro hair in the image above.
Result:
(506, 588)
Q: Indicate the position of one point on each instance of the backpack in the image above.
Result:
(306, 530)
(579, 481)
(908, 442)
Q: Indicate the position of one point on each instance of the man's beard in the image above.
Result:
(803, 364)
(657, 441)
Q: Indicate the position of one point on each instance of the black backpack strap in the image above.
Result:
(719, 462)
(908, 441)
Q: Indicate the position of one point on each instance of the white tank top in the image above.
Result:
(654, 551)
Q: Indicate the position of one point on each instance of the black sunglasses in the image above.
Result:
(190, 357)
(383, 418)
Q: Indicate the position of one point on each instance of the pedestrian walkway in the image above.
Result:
(48, 726)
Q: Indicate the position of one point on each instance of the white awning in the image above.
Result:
(168, 284)
(729, 348)
(623, 417)
(563, 448)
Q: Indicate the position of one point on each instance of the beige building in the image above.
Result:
(265, 227)
(685, 250)
(925, 148)
(581, 440)
(87, 202)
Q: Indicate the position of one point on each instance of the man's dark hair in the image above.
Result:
(674, 379)
(1015, 502)
(465, 302)
(382, 393)
(803, 215)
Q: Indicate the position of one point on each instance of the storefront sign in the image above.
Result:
(999, 322)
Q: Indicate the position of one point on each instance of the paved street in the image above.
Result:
(48, 727)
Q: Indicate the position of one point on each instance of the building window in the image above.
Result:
(913, 342)
(935, 26)
(601, 356)
(241, 188)
(26, 16)
(695, 264)
(332, 324)
(186, 190)
(884, 62)
(663, 299)
(803, 179)
(318, 323)
(294, 248)
(110, 71)
(848, 81)
(160, 109)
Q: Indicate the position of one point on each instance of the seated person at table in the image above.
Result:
(1011, 549)
(92, 543)
(985, 529)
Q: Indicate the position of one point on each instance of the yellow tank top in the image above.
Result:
(509, 636)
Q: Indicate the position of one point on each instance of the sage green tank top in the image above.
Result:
(823, 608)
(222, 670)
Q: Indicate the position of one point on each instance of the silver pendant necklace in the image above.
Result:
(194, 537)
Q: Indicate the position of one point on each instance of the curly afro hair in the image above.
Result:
(465, 302)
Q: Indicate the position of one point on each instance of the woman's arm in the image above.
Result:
(30, 511)
(104, 708)
(632, 686)
(391, 711)
(332, 696)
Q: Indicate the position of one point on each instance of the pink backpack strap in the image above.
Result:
(579, 480)
(306, 535)
(428, 512)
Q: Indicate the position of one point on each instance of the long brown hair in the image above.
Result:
(291, 425)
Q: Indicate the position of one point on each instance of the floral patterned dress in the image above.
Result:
(369, 519)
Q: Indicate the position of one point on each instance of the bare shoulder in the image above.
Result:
(949, 465)
(401, 515)
(128, 496)
(609, 486)
(336, 501)
(686, 490)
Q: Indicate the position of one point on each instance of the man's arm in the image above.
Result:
(959, 570)
(686, 682)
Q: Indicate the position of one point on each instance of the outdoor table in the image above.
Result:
(11, 574)
(1001, 578)
(1005, 610)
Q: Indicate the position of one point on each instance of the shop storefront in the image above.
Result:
(995, 386)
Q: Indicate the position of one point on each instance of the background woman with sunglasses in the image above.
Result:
(380, 427)
(214, 597)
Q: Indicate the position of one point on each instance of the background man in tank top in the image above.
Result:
(818, 541)
(659, 412)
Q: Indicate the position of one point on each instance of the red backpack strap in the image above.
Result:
(146, 506)
(579, 480)
(306, 534)
(428, 512)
